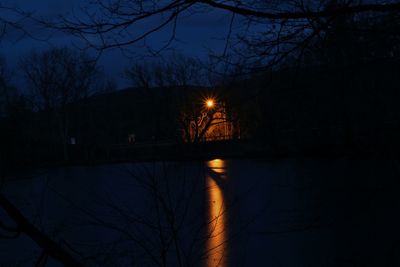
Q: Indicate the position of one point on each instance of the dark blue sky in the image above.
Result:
(196, 36)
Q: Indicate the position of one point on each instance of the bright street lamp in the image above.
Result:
(210, 103)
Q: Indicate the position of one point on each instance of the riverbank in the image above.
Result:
(229, 149)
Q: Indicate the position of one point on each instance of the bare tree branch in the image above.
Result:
(49, 246)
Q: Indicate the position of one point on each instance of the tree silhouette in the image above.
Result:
(260, 33)
(57, 78)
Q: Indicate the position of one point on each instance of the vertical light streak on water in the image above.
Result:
(217, 246)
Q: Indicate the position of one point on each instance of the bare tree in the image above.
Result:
(9, 96)
(3, 87)
(199, 116)
(175, 71)
(261, 33)
(179, 90)
(23, 225)
(57, 78)
(12, 21)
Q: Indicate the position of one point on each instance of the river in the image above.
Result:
(295, 212)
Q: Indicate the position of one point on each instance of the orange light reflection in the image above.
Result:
(217, 217)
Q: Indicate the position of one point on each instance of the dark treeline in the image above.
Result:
(339, 98)
(328, 109)
(309, 112)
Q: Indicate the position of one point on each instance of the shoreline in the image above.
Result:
(233, 149)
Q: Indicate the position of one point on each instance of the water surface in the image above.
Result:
(215, 213)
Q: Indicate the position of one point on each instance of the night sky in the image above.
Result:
(195, 37)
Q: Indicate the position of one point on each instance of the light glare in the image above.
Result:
(210, 103)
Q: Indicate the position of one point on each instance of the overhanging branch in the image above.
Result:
(49, 246)
(303, 14)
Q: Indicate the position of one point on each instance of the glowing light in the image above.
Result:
(210, 103)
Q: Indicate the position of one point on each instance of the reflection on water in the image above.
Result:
(217, 246)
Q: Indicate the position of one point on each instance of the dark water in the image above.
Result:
(215, 213)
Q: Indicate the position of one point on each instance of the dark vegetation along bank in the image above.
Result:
(314, 111)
